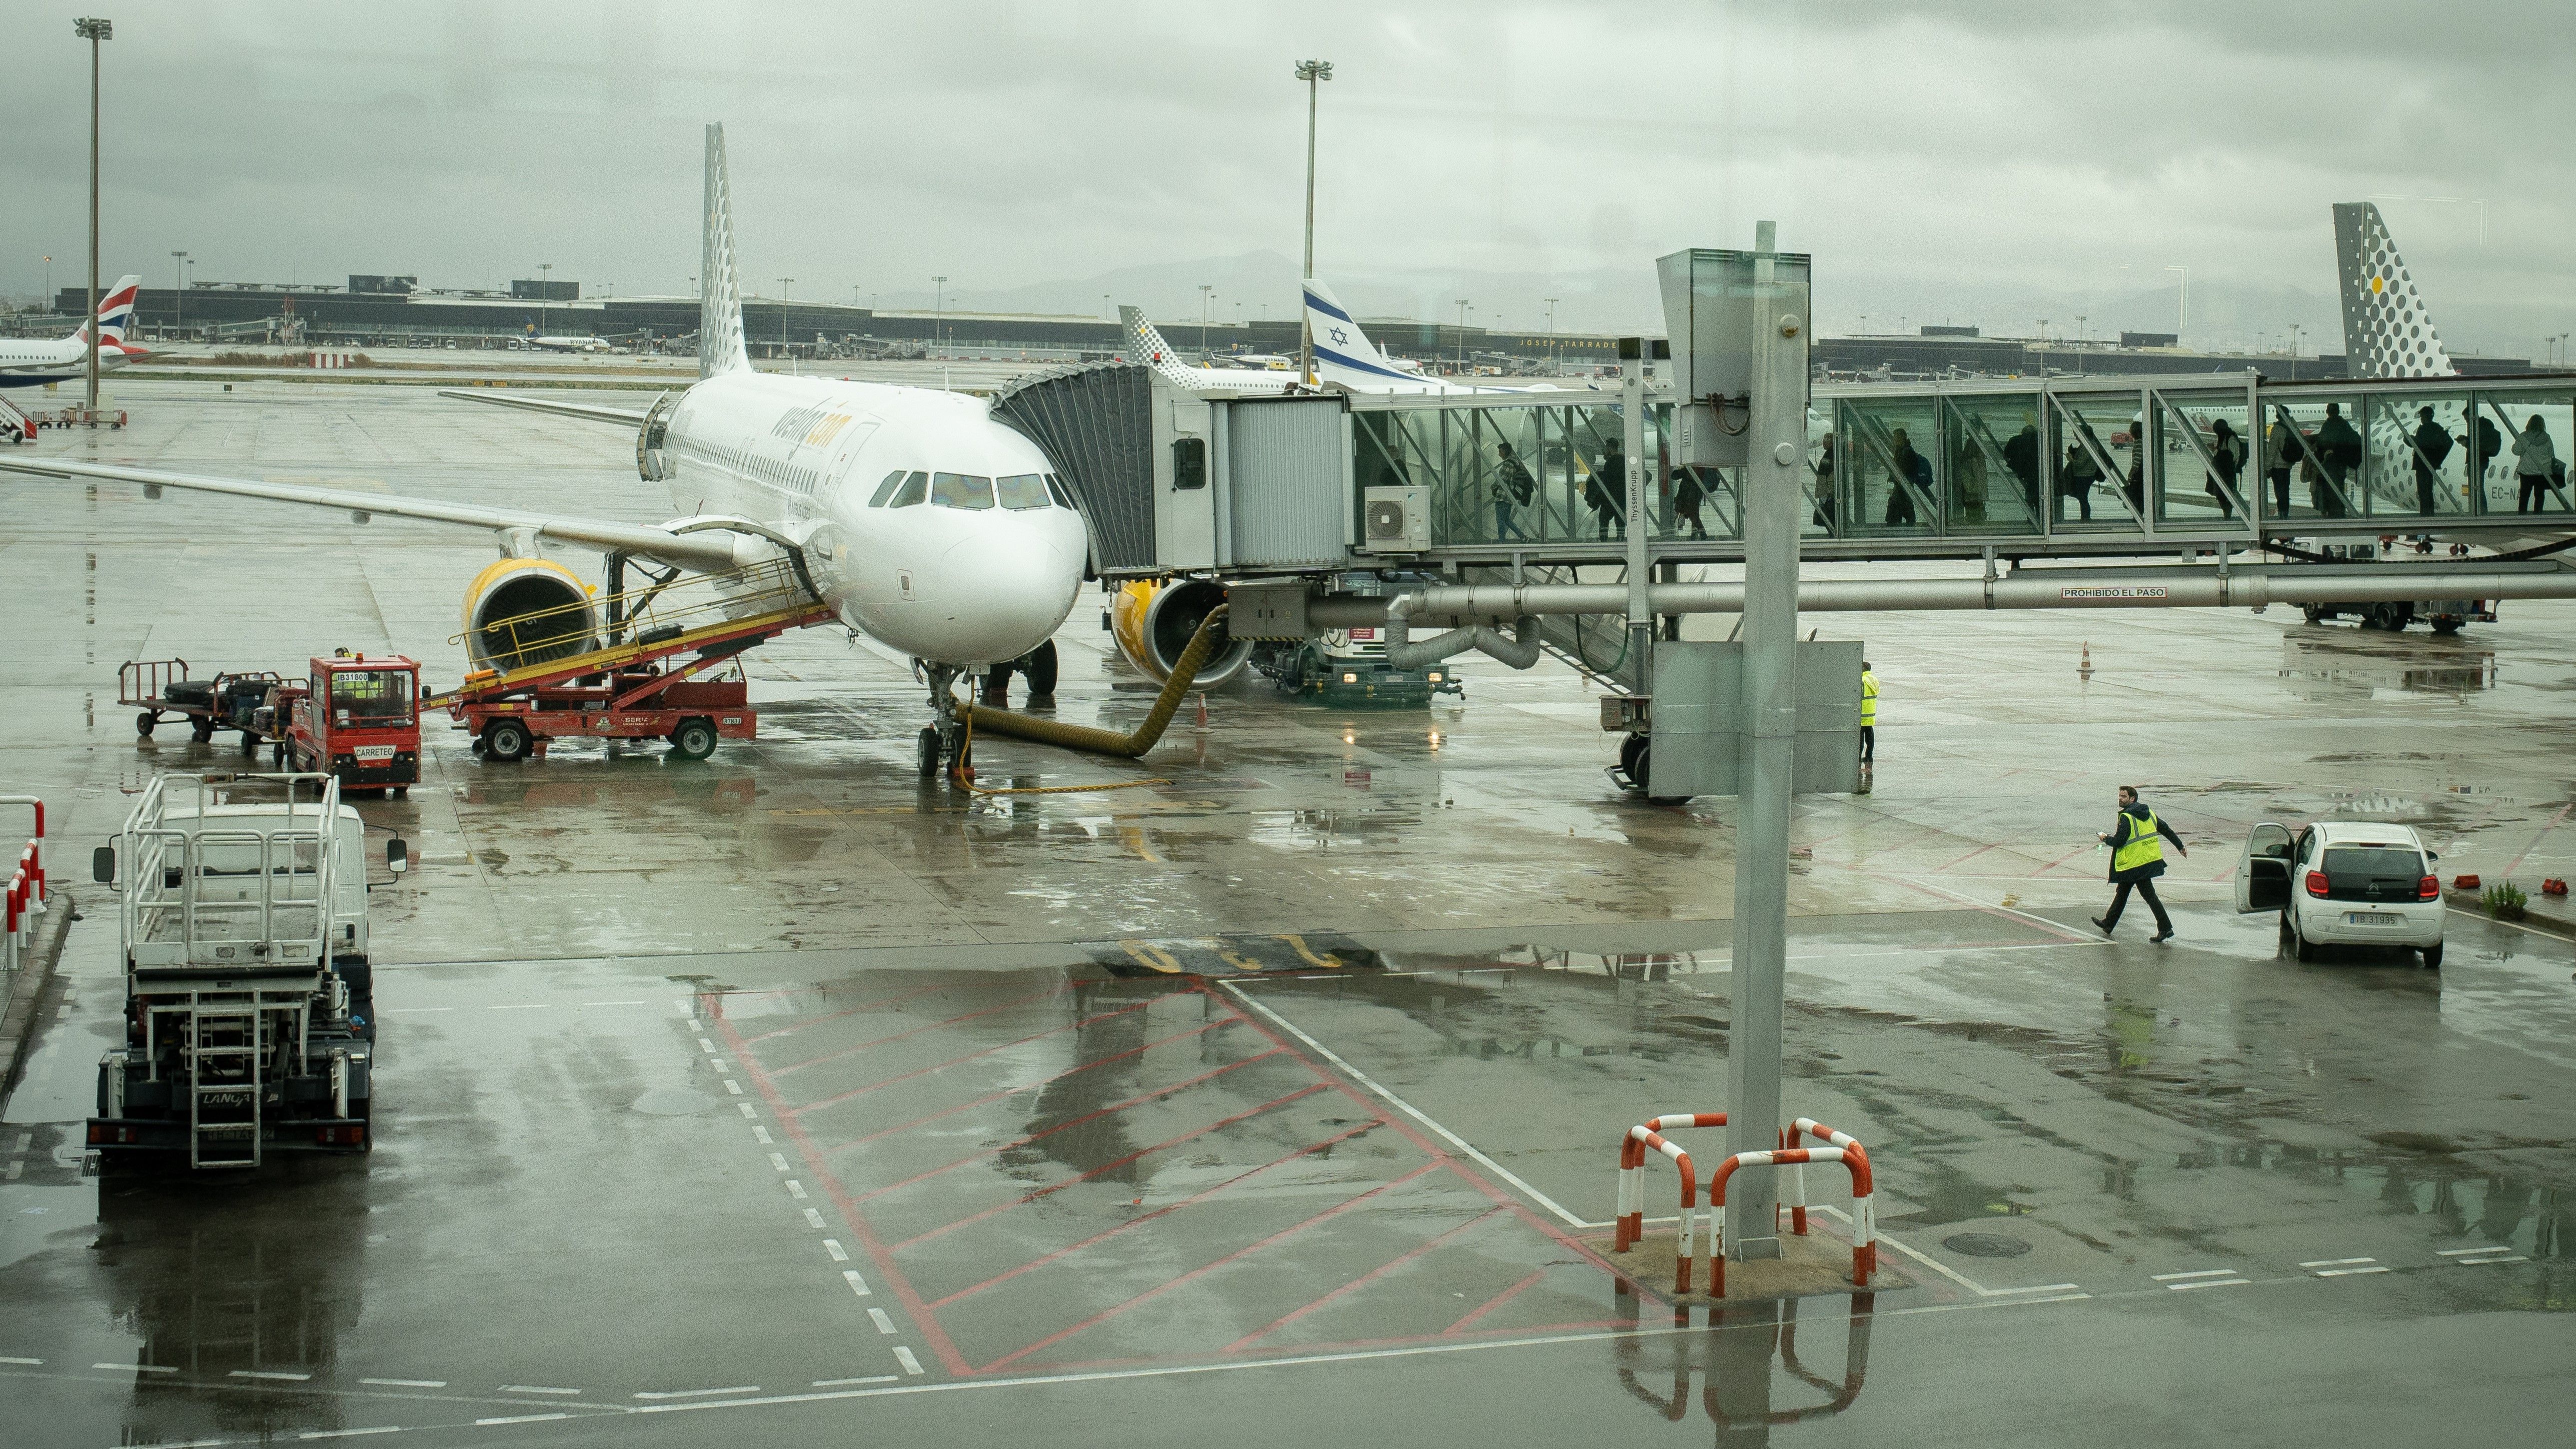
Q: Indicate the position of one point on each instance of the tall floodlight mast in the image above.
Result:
(1313, 73)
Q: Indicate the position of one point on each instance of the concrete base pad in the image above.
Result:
(1817, 1263)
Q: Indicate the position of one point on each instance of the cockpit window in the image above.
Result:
(885, 490)
(1055, 486)
(961, 490)
(1025, 490)
(916, 487)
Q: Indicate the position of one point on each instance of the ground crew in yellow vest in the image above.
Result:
(1868, 716)
(2137, 858)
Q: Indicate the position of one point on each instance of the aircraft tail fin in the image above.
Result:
(115, 316)
(1343, 353)
(1145, 347)
(2386, 330)
(720, 344)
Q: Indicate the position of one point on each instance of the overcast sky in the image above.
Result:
(1964, 159)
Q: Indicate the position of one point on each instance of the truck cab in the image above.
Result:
(357, 719)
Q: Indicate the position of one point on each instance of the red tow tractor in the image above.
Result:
(357, 716)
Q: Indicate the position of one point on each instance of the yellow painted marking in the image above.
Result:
(1328, 960)
(1151, 956)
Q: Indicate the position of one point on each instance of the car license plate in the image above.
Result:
(373, 754)
(2373, 918)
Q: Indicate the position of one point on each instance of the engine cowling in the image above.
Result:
(524, 611)
(1153, 621)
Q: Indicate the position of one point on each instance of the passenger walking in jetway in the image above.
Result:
(1687, 495)
(2136, 485)
(1968, 479)
(2432, 445)
(1913, 467)
(2535, 461)
(1868, 716)
(2075, 479)
(2021, 455)
(2137, 858)
(1606, 488)
(2226, 461)
(1512, 488)
(2279, 450)
(2485, 442)
(1824, 513)
(2338, 452)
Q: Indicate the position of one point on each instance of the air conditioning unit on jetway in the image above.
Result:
(1395, 519)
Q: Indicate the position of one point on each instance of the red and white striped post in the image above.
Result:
(32, 859)
(1639, 1139)
(1631, 1197)
(1809, 1127)
(1864, 1218)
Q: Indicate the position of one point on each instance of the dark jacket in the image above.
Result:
(2130, 818)
(2021, 454)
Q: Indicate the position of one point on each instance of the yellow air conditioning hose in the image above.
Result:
(1109, 742)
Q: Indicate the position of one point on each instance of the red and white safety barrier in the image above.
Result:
(1641, 1138)
(1632, 1171)
(26, 893)
(1864, 1213)
(1864, 1210)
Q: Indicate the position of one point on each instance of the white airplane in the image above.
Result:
(1275, 361)
(923, 521)
(576, 343)
(1344, 355)
(24, 363)
(1146, 348)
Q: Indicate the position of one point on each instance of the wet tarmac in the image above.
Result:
(781, 1097)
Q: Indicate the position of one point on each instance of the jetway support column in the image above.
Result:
(1632, 443)
(1776, 449)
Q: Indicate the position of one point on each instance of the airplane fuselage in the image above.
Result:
(925, 570)
(25, 363)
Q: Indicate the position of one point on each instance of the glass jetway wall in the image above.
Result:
(2090, 464)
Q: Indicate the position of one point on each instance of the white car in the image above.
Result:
(2345, 883)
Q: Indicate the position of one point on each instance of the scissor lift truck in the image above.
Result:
(637, 686)
(250, 1021)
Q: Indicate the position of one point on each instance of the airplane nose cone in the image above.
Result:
(1020, 587)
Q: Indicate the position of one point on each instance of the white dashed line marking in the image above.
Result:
(777, 1161)
(141, 1368)
(2203, 1273)
(534, 1389)
(811, 1217)
(833, 1247)
(883, 1323)
(280, 1375)
(16, 1165)
(29, 1362)
(2482, 1262)
(519, 1006)
(858, 1285)
(718, 1064)
(2470, 1252)
(845, 1383)
(407, 1383)
(707, 1045)
(25, 1141)
(903, 1355)
(520, 1419)
(411, 1010)
(2337, 1262)
(2346, 1272)
(747, 1111)
(686, 1010)
(612, 1003)
(699, 1393)
(733, 1086)
(2209, 1283)
(761, 1134)
(350, 1433)
(795, 1189)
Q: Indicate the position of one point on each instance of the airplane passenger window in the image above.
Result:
(961, 490)
(1056, 487)
(1024, 490)
(916, 487)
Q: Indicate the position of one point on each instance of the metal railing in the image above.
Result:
(645, 615)
(254, 890)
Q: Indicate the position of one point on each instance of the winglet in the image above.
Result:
(2386, 330)
(720, 346)
(1146, 348)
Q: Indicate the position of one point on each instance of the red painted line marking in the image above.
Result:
(1076, 1122)
(1971, 855)
(1371, 1276)
(2535, 840)
(1497, 1301)
(1203, 1193)
(838, 1098)
(2061, 860)
(1025, 1087)
(887, 1273)
(1058, 990)
(883, 1001)
(1089, 1173)
(1158, 1290)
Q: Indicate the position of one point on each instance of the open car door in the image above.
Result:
(2263, 876)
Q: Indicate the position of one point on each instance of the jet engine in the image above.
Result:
(1153, 621)
(524, 611)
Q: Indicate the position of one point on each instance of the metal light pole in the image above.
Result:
(1313, 73)
(2182, 303)
(93, 31)
(1462, 334)
(1206, 292)
(782, 310)
(939, 310)
(179, 318)
(49, 284)
(545, 285)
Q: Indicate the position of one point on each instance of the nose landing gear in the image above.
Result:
(944, 740)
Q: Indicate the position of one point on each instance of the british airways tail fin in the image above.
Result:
(1145, 347)
(720, 346)
(1343, 353)
(2386, 330)
(115, 315)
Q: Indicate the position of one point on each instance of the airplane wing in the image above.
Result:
(712, 549)
(630, 417)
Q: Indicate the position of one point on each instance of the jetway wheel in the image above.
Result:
(506, 740)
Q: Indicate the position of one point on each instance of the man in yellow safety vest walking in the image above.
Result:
(2137, 858)
(1868, 716)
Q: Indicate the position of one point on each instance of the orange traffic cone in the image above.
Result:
(1202, 709)
(2084, 667)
